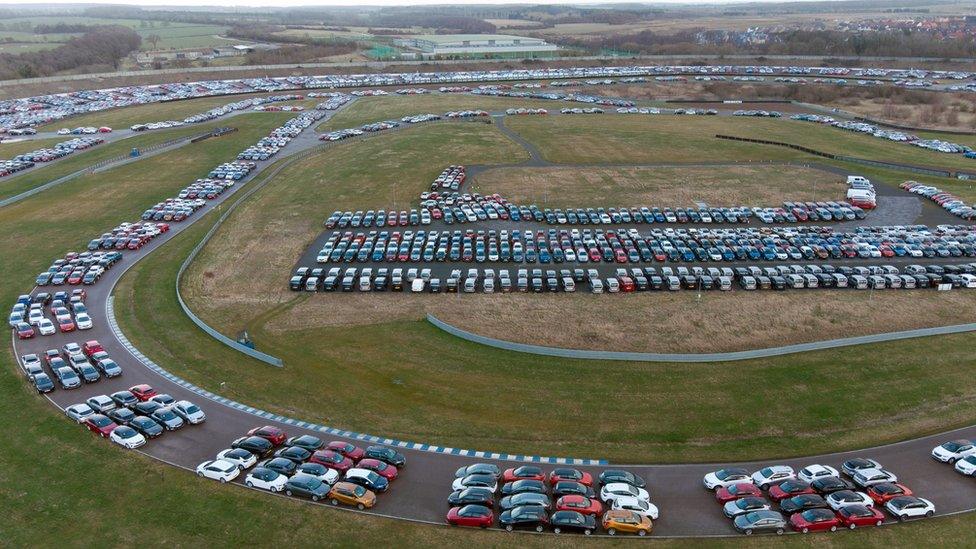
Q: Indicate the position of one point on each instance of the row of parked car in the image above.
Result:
(305, 466)
(782, 277)
(84, 130)
(937, 145)
(131, 418)
(816, 498)
(634, 246)
(339, 135)
(960, 453)
(79, 268)
(71, 366)
(498, 91)
(949, 202)
(564, 499)
(31, 111)
(59, 150)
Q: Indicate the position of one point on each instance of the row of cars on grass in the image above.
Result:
(632, 246)
(948, 201)
(374, 127)
(563, 500)
(130, 418)
(59, 150)
(816, 498)
(635, 279)
(306, 466)
(71, 366)
(937, 145)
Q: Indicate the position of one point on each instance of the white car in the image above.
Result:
(221, 470)
(266, 479)
(30, 362)
(163, 399)
(79, 412)
(870, 477)
(636, 505)
(967, 465)
(469, 481)
(83, 321)
(46, 327)
(327, 475)
(238, 456)
(952, 451)
(190, 412)
(127, 437)
(774, 474)
(610, 492)
(725, 477)
(35, 316)
(906, 507)
(101, 403)
(844, 498)
(811, 473)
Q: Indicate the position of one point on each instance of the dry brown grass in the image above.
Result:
(950, 112)
(664, 186)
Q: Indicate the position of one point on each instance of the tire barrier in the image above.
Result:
(583, 354)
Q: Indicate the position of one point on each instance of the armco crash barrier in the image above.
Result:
(892, 165)
(702, 357)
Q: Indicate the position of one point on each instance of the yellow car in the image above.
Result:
(351, 494)
(626, 521)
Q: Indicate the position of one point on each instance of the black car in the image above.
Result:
(829, 485)
(124, 399)
(471, 496)
(572, 521)
(307, 442)
(146, 408)
(42, 383)
(294, 453)
(616, 475)
(121, 416)
(388, 455)
(525, 498)
(307, 486)
(478, 469)
(258, 446)
(798, 504)
(527, 516)
(525, 485)
(146, 426)
(281, 465)
(568, 487)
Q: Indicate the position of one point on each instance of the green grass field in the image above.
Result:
(172, 35)
(92, 480)
(414, 393)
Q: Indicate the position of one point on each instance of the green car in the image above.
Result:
(306, 485)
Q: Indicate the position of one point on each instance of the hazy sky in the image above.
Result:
(284, 3)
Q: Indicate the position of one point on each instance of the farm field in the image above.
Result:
(242, 282)
(172, 35)
(729, 185)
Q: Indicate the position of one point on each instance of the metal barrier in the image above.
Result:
(583, 354)
(892, 165)
(119, 160)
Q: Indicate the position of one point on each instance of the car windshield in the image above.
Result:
(359, 491)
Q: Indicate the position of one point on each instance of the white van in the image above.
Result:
(857, 179)
(866, 195)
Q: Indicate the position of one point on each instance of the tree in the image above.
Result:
(153, 39)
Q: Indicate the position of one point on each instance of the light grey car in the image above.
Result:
(760, 522)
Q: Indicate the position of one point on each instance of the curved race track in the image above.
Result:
(419, 493)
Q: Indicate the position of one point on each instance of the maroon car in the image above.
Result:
(100, 425)
(332, 459)
(350, 451)
(273, 435)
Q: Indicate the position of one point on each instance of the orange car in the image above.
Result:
(626, 521)
(352, 494)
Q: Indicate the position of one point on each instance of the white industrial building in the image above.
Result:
(477, 45)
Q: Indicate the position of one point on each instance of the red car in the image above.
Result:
(100, 425)
(814, 520)
(789, 489)
(559, 475)
(274, 435)
(25, 331)
(80, 292)
(331, 459)
(470, 515)
(885, 491)
(350, 451)
(92, 347)
(142, 392)
(66, 325)
(50, 355)
(853, 516)
(737, 491)
(381, 468)
(525, 472)
(580, 504)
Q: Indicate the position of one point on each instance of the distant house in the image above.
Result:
(477, 45)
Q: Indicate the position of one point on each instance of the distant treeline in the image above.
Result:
(298, 54)
(795, 42)
(62, 28)
(103, 47)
